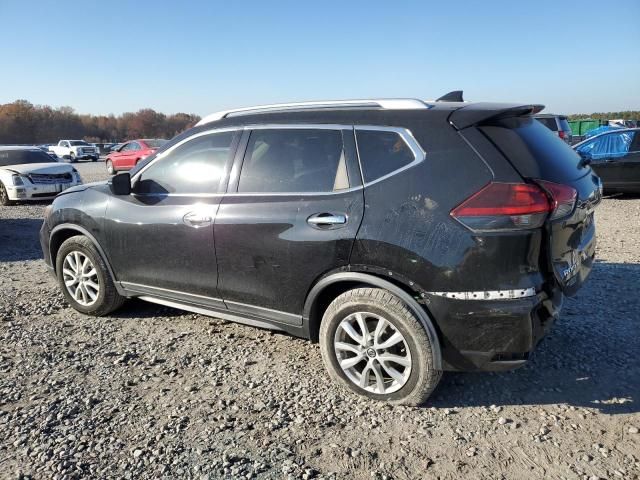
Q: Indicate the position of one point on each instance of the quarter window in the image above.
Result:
(194, 167)
(294, 160)
(382, 152)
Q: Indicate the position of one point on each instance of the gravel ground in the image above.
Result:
(153, 392)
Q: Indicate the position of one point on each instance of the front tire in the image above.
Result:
(374, 345)
(4, 196)
(72, 158)
(110, 169)
(84, 278)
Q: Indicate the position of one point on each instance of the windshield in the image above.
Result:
(155, 142)
(17, 157)
(75, 143)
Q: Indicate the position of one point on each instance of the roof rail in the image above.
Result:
(387, 104)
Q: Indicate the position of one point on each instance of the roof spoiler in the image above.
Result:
(482, 112)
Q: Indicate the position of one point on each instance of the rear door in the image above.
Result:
(133, 153)
(291, 214)
(119, 158)
(537, 154)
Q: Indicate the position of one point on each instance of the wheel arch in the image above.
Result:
(65, 231)
(332, 285)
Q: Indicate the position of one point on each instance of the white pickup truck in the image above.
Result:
(75, 150)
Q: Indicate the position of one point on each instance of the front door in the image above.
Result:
(615, 157)
(290, 215)
(160, 238)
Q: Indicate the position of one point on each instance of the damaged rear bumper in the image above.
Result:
(492, 334)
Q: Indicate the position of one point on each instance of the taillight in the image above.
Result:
(562, 134)
(515, 206)
(563, 198)
(504, 206)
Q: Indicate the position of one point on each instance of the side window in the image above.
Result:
(382, 152)
(610, 145)
(135, 146)
(194, 167)
(294, 160)
(126, 148)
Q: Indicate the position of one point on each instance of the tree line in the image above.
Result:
(24, 123)
(626, 115)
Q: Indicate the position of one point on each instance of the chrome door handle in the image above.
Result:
(327, 220)
(195, 219)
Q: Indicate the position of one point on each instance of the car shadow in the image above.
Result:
(589, 359)
(19, 239)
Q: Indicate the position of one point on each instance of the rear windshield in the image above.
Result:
(549, 122)
(17, 157)
(155, 142)
(535, 151)
(76, 143)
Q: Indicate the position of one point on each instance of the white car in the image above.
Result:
(75, 150)
(27, 173)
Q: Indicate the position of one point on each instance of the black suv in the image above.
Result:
(407, 237)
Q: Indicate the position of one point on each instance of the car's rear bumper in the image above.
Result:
(492, 334)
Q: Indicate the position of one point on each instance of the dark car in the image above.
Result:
(558, 124)
(615, 157)
(407, 237)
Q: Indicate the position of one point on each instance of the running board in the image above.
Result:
(212, 313)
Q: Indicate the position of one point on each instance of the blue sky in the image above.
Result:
(202, 56)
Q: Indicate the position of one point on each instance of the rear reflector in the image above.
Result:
(504, 206)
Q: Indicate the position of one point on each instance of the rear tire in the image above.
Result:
(84, 278)
(4, 196)
(392, 361)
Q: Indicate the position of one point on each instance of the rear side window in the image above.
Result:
(382, 152)
(194, 167)
(294, 160)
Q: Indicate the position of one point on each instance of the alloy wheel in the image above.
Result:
(80, 278)
(372, 353)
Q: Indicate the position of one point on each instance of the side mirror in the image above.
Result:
(121, 184)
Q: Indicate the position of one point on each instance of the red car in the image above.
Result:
(130, 153)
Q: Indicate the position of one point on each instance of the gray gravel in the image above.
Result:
(152, 392)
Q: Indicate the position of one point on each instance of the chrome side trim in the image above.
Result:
(299, 126)
(292, 194)
(210, 312)
(408, 138)
(488, 294)
(389, 103)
